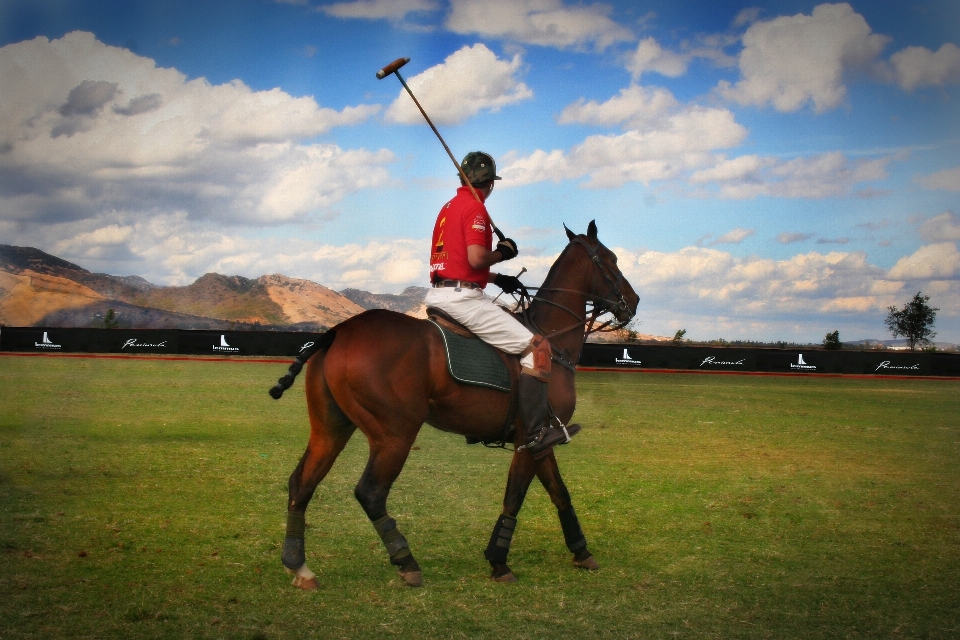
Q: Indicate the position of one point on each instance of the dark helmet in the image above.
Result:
(479, 167)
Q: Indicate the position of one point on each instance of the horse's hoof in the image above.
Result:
(412, 578)
(507, 577)
(589, 563)
(307, 584)
(303, 578)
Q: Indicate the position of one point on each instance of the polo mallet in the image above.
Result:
(394, 68)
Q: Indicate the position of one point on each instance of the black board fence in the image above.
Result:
(595, 355)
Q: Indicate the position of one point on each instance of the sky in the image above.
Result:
(763, 170)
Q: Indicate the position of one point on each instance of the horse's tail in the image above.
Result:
(284, 383)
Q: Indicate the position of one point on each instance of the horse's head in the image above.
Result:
(609, 291)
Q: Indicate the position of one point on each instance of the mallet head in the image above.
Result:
(392, 68)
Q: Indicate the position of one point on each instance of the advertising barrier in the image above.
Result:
(595, 355)
(844, 361)
(168, 341)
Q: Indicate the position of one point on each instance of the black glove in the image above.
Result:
(507, 248)
(509, 284)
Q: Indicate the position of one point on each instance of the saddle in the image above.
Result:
(472, 361)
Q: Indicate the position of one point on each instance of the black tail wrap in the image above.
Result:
(499, 545)
(572, 533)
(286, 381)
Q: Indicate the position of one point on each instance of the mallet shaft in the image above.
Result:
(394, 68)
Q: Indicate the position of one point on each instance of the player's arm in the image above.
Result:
(480, 257)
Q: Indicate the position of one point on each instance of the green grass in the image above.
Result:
(145, 498)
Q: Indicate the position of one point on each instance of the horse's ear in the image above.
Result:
(570, 234)
(592, 230)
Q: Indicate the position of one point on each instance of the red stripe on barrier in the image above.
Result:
(138, 356)
(767, 373)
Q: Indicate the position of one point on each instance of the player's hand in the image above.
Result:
(509, 284)
(507, 248)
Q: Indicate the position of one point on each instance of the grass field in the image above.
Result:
(145, 498)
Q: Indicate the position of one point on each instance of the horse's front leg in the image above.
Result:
(522, 469)
(549, 475)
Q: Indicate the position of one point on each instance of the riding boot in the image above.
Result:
(539, 433)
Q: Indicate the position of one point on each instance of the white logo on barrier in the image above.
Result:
(306, 345)
(800, 364)
(223, 346)
(886, 365)
(626, 359)
(133, 344)
(46, 343)
(712, 360)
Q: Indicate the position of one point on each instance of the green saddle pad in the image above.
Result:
(473, 361)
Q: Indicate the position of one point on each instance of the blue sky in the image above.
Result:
(772, 170)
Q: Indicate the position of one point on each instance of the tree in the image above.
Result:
(914, 321)
(678, 337)
(832, 341)
(110, 320)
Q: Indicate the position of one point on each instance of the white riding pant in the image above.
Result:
(489, 321)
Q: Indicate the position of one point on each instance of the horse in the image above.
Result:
(386, 374)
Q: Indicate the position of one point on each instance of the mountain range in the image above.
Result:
(39, 289)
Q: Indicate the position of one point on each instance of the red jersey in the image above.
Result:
(461, 222)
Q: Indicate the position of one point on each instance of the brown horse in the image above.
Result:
(386, 374)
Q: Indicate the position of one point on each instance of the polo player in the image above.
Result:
(460, 260)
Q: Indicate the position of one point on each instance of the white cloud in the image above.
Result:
(635, 107)
(946, 180)
(740, 169)
(791, 61)
(939, 261)
(649, 56)
(707, 281)
(790, 238)
(666, 139)
(93, 128)
(469, 81)
(944, 227)
(746, 16)
(822, 176)
(919, 67)
(548, 23)
(378, 9)
(735, 236)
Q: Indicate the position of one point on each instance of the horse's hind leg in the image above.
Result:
(330, 430)
(383, 467)
(549, 475)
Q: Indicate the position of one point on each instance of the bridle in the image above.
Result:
(599, 305)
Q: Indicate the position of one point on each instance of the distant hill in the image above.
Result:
(39, 289)
(409, 300)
